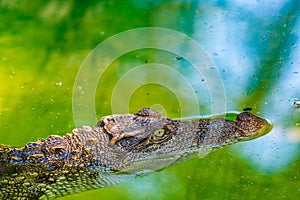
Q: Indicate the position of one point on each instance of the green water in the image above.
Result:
(254, 46)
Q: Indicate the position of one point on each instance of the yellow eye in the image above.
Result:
(159, 132)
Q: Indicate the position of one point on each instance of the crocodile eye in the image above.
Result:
(159, 132)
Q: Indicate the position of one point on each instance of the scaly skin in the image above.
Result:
(120, 146)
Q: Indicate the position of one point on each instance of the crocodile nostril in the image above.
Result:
(244, 116)
(101, 123)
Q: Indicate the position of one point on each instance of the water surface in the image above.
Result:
(254, 45)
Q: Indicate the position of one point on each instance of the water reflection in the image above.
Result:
(274, 152)
(270, 84)
(258, 8)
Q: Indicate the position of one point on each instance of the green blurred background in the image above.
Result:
(255, 45)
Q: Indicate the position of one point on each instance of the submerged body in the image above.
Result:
(118, 147)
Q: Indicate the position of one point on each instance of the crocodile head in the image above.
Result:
(146, 142)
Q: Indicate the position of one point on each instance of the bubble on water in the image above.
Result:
(59, 83)
(296, 103)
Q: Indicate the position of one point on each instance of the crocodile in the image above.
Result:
(120, 146)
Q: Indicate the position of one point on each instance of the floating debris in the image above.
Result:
(178, 58)
(247, 109)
